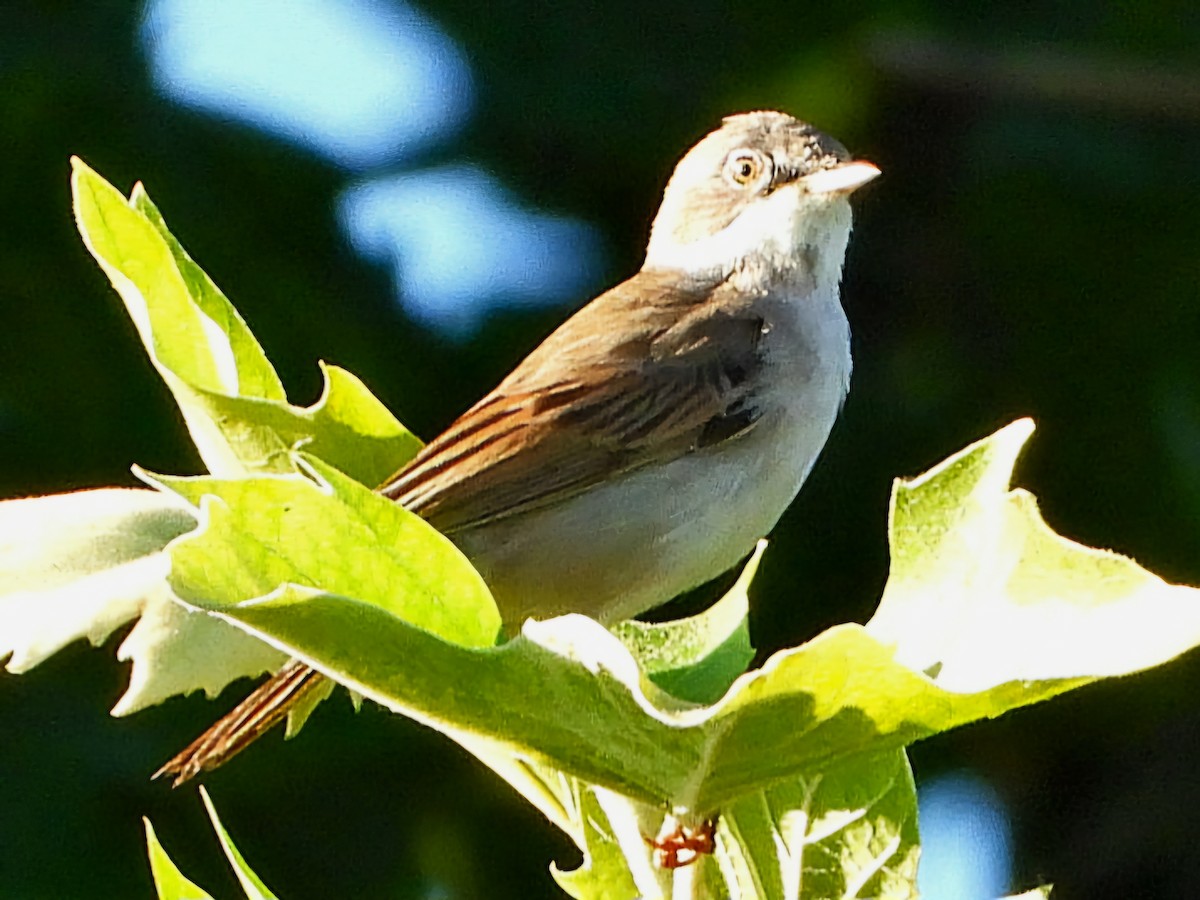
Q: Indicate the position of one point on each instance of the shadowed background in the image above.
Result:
(421, 193)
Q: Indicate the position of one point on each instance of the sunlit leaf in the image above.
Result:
(256, 376)
(698, 658)
(848, 831)
(170, 883)
(983, 592)
(175, 650)
(81, 565)
(229, 394)
(569, 695)
(84, 564)
(606, 872)
(290, 535)
(250, 882)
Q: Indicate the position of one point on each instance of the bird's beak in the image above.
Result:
(841, 179)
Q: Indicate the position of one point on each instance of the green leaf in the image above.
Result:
(698, 658)
(256, 376)
(171, 883)
(347, 427)
(591, 717)
(605, 873)
(175, 650)
(568, 695)
(250, 882)
(849, 831)
(983, 592)
(230, 397)
(839, 696)
(81, 565)
(168, 880)
(554, 793)
(289, 536)
(182, 340)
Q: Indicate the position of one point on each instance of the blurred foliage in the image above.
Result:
(1030, 250)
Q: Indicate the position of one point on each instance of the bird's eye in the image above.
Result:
(745, 167)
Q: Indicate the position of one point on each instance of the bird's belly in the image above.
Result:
(627, 546)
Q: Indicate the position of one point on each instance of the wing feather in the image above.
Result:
(644, 374)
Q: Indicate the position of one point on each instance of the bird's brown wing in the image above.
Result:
(653, 371)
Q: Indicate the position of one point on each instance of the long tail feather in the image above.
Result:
(245, 723)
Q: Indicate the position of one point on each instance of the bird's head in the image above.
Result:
(764, 196)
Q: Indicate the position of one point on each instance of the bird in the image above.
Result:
(651, 440)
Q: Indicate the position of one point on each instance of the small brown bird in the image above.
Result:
(652, 439)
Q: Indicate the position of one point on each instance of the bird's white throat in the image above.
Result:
(789, 238)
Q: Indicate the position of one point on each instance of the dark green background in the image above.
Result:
(1031, 250)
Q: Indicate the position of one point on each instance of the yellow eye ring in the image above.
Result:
(745, 167)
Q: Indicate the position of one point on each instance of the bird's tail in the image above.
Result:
(245, 723)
